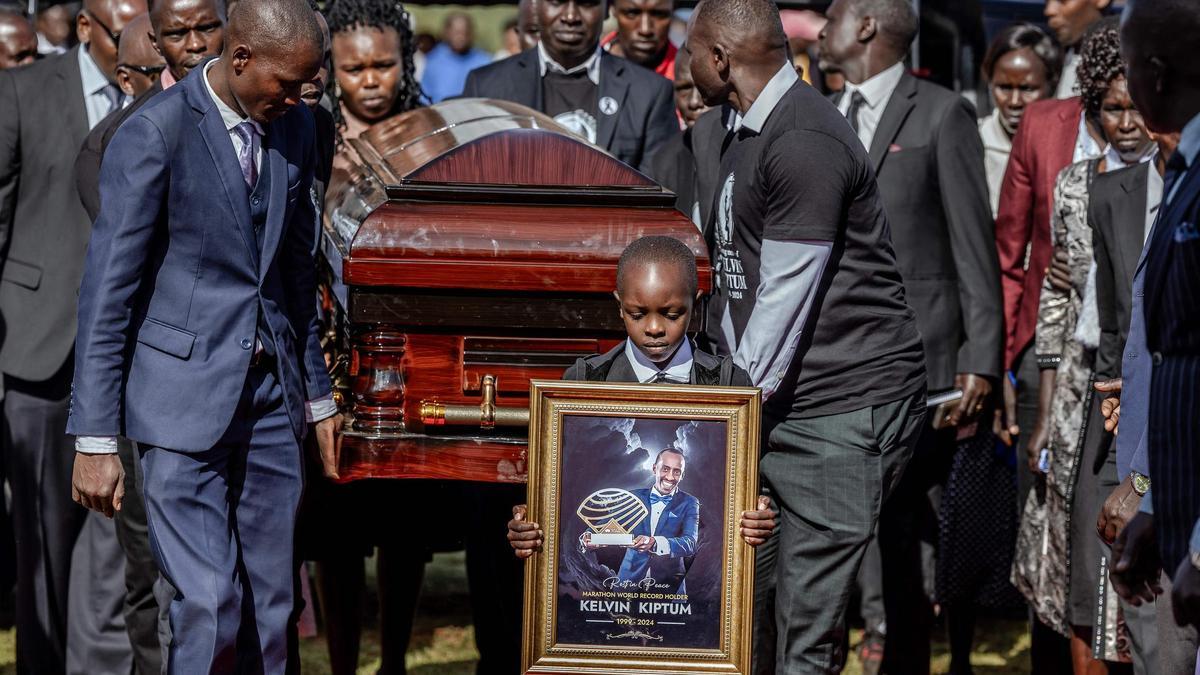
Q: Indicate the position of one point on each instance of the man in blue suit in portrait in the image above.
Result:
(665, 541)
(198, 335)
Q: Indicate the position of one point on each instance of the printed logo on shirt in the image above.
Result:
(580, 123)
(608, 105)
(730, 275)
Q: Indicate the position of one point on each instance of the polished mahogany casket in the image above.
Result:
(472, 246)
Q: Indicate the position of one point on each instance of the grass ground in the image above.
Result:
(443, 641)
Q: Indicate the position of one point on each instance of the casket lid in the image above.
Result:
(495, 148)
(490, 195)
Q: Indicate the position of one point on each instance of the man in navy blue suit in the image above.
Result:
(198, 335)
(667, 538)
(1164, 81)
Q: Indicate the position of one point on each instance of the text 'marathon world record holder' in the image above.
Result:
(472, 246)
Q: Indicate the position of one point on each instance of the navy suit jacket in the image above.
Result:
(175, 282)
(679, 522)
(644, 119)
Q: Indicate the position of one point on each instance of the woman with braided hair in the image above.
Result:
(373, 68)
(373, 80)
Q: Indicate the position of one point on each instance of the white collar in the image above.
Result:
(768, 98)
(1086, 146)
(90, 75)
(592, 65)
(993, 134)
(229, 116)
(877, 89)
(679, 368)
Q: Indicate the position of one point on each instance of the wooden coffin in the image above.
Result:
(472, 246)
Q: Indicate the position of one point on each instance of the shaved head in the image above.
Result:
(136, 47)
(99, 26)
(18, 41)
(1163, 72)
(756, 20)
(274, 27)
(736, 47)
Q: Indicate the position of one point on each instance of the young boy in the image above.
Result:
(656, 290)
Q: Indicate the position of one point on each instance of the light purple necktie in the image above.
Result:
(249, 135)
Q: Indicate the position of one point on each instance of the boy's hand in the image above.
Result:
(524, 537)
(758, 526)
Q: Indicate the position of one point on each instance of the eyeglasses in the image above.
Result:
(115, 37)
(148, 71)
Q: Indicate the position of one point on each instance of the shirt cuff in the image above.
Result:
(662, 546)
(1147, 505)
(321, 408)
(96, 445)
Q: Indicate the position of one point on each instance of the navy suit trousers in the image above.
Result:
(222, 524)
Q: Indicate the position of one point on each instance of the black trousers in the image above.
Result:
(495, 576)
(38, 456)
(828, 476)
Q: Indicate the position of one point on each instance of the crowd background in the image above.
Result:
(1028, 310)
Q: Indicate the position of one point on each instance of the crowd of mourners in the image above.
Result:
(1016, 234)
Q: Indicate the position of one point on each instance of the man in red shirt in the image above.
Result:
(642, 34)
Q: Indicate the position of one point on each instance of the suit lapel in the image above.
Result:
(274, 152)
(668, 509)
(621, 370)
(529, 82)
(72, 82)
(1164, 232)
(229, 173)
(612, 85)
(897, 110)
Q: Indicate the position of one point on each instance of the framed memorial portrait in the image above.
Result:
(639, 490)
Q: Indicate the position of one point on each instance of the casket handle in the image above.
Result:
(487, 414)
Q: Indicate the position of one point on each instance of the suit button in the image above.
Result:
(1157, 358)
(246, 343)
(254, 201)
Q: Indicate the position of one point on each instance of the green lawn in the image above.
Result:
(443, 641)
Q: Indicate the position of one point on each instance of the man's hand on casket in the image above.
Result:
(98, 482)
(525, 537)
(329, 444)
(758, 526)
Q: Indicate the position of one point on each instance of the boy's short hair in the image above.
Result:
(658, 249)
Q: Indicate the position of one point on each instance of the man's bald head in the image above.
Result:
(138, 62)
(274, 27)
(865, 37)
(18, 41)
(736, 47)
(99, 26)
(1163, 72)
(273, 48)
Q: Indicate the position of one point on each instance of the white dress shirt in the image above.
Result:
(1154, 196)
(997, 146)
(95, 84)
(661, 545)
(876, 92)
(592, 65)
(678, 369)
(1070, 76)
(232, 118)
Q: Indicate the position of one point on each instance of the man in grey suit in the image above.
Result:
(613, 103)
(46, 110)
(924, 146)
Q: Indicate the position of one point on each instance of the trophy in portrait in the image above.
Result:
(611, 514)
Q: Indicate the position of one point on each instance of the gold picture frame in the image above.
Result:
(616, 609)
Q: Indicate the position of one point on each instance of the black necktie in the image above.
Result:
(661, 377)
(856, 102)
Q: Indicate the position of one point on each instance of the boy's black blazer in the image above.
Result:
(614, 367)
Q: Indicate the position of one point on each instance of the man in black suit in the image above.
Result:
(607, 100)
(1164, 81)
(46, 109)
(924, 145)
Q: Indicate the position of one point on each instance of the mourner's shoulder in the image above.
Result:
(638, 75)
(503, 67)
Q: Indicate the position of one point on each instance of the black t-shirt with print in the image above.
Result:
(573, 101)
(806, 177)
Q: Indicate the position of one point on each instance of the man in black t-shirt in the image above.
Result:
(613, 103)
(810, 303)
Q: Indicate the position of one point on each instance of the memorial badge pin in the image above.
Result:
(608, 105)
